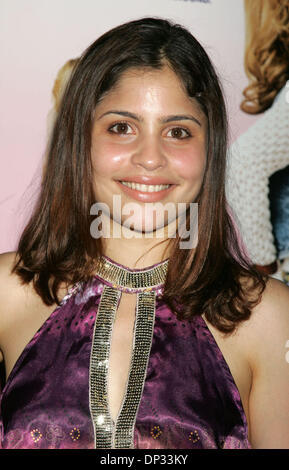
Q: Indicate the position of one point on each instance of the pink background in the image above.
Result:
(38, 36)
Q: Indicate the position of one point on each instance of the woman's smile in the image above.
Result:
(146, 189)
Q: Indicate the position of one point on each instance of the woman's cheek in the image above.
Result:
(108, 157)
(190, 163)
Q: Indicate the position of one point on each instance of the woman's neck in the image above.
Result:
(136, 253)
(136, 250)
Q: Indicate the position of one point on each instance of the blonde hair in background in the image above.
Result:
(61, 80)
(266, 52)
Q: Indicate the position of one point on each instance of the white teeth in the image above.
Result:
(145, 187)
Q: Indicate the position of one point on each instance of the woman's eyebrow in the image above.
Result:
(123, 113)
(163, 119)
(180, 117)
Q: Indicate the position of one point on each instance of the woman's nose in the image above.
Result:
(149, 155)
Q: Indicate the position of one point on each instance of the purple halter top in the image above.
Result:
(180, 393)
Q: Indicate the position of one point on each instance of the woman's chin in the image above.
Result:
(146, 229)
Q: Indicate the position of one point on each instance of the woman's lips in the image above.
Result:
(146, 196)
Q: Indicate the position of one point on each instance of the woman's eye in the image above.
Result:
(120, 128)
(179, 133)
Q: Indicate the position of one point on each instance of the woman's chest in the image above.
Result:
(141, 370)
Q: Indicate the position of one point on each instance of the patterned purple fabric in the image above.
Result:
(189, 400)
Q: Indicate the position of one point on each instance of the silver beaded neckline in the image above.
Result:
(145, 283)
(131, 280)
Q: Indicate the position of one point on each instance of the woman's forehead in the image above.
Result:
(143, 75)
(149, 87)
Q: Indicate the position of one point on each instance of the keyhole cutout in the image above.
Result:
(121, 352)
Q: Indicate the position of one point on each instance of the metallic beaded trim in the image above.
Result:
(108, 434)
(130, 280)
(99, 361)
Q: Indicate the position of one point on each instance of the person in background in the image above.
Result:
(258, 171)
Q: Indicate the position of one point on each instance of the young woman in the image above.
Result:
(117, 334)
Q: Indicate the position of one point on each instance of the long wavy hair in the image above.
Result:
(266, 52)
(56, 245)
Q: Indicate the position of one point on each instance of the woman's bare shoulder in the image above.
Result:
(267, 343)
(263, 342)
(11, 286)
(272, 311)
(10, 283)
(267, 330)
(22, 310)
(270, 318)
(6, 261)
(12, 291)
(269, 321)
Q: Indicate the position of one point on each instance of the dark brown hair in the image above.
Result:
(267, 52)
(56, 245)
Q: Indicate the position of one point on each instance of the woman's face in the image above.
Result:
(148, 147)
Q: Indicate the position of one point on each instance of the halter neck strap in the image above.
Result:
(131, 280)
